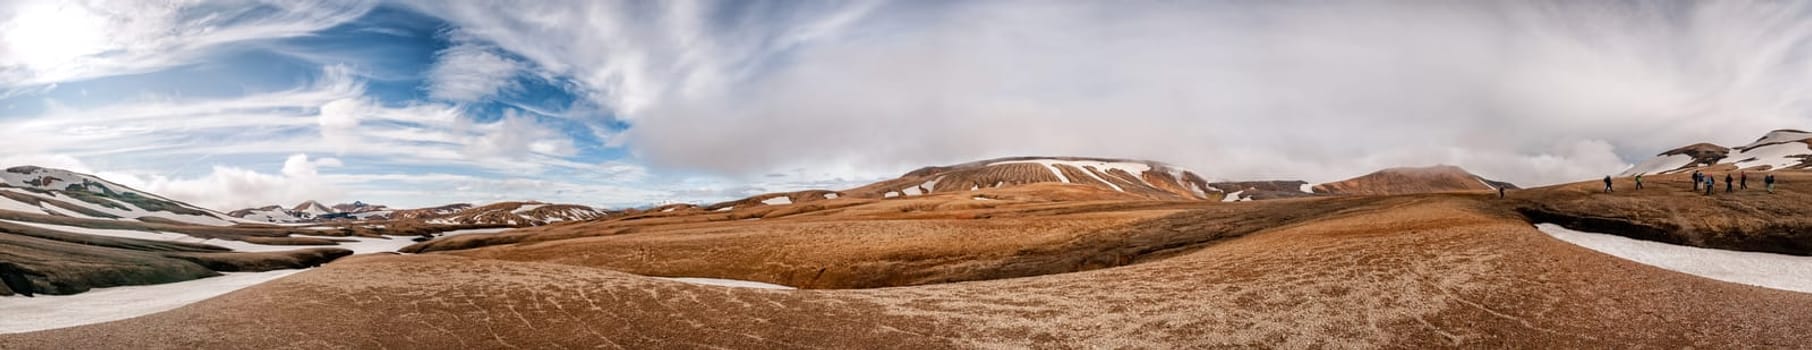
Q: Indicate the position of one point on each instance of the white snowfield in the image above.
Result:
(1658, 165)
(1776, 150)
(1778, 271)
(777, 200)
(358, 245)
(132, 212)
(1308, 188)
(1774, 156)
(526, 208)
(25, 314)
(725, 282)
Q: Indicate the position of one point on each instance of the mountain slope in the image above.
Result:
(1779, 149)
(1441, 178)
(1142, 178)
(66, 193)
(518, 214)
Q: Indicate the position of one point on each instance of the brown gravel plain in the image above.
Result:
(1453, 270)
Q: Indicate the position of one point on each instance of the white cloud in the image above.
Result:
(49, 41)
(1242, 90)
(469, 72)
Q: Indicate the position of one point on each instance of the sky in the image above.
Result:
(243, 103)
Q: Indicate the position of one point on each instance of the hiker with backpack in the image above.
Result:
(1710, 184)
(1638, 181)
(1607, 184)
(1696, 179)
(1745, 184)
(1729, 186)
(1769, 181)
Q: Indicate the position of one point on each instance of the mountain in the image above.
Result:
(272, 214)
(39, 190)
(314, 208)
(1262, 190)
(1779, 149)
(1140, 178)
(1442, 178)
(518, 214)
(428, 213)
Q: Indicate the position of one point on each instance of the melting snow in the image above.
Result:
(725, 282)
(10, 204)
(830, 195)
(526, 208)
(1779, 136)
(780, 200)
(1777, 271)
(1235, 197)
(25, 314)
(1308, 188)
(1658, 165)
(1774, 156)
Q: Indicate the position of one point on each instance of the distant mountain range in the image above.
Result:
(1779, 149)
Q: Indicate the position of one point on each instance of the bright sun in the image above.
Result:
(46, 34)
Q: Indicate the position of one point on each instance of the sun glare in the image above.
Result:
(50, 34)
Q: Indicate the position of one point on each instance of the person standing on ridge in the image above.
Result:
(1769, 181)
(1729, 186)
(1710, 184)
(1607, 184)
(1696, 179)
(1745, 184)
(1638, 181)
(1500, 192)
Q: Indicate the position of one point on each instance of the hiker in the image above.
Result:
(1638, 181)
(1500, 192)
(1729, 186)
(1710, 183)
(1769, 181)
(1696, 179)
(1607, 184)
(1745, 184)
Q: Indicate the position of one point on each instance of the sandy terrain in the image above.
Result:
(1418, 271)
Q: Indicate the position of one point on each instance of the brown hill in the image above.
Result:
(517, 214)
(1435, 179)
(1142, 178)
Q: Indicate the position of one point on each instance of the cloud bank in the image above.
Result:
(1532, 92)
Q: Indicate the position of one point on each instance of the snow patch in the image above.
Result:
(726, 283)
(525, 208)
(780, 200)
(1769, 270)
(1774, 156)
(1307, 188)
(25, 314)
(832, 195)
(10, 204)
(1658, 165)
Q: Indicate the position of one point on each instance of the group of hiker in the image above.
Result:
(1732, 183)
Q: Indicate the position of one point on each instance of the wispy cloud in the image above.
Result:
(47, 41)
(1533, 92)
(469, 72)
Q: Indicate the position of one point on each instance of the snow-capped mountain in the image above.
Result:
(272, 214)
(1138, 177)
(1779, 149)
(39, 190)
(519, 214)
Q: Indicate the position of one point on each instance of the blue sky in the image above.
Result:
(232, 104)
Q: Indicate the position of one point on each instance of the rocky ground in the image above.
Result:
(1410, 271)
